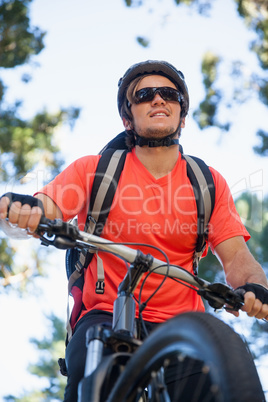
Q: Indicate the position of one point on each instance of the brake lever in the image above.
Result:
(58, 227)
(219, 294)
(64, 234)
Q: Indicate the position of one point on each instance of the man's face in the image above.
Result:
(157, 118)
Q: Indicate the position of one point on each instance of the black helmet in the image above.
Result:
(153, 67)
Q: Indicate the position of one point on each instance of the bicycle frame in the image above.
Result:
(64, 235)
(122, 336)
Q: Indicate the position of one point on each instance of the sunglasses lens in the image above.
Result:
(169, 94)
(144, 95)
(148, 94)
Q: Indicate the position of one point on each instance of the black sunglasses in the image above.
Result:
(166, 93)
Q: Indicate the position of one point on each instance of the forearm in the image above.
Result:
(239, 264)
(240, 268)
(52, 211)
(244, 269)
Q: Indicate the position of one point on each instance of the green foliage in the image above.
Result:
(202, 5)
(254, 214)
(7, 254)
(241, 86)
(18, 41)
(263, 91)
(24, 144)
(206, 115)
(133, 3)
(51, 348)
(255, 14)
(263, 148)
(2, 89)
(263, 242)
(210, 269)
(144, 42)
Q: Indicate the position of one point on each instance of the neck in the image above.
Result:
(158, 161)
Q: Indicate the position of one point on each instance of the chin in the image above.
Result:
(156, 132)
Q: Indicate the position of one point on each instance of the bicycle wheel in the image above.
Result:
(197, 339)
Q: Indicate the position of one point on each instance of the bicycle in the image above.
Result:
(135, 371)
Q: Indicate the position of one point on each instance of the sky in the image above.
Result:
(88, 47)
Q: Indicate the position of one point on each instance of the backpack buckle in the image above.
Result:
(78, 266)
(100, 287)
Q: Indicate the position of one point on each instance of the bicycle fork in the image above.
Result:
(121, 343)
(123, 322)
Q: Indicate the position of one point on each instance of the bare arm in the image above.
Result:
(241, 267)
(52, 211)
(25, 216)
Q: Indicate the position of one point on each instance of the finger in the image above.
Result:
(253, 306)
(230, 310)
(24, 215)
(256, 309)
(14, 212)
(34, 219)
(4, 203)
(263, 313)
(235, 313)
(249, 300)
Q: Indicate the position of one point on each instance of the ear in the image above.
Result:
(183, 122)
(127, 124)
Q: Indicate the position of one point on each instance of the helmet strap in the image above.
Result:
(157, 142)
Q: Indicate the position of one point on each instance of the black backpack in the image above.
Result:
(104, 186)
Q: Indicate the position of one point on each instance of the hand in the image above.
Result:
(254, 307)
(22, 210)
(255, 300)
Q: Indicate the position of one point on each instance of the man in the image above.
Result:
(152, 194)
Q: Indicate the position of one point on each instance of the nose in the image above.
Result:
(158, 100)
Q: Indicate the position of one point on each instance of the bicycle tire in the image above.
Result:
(201, 336)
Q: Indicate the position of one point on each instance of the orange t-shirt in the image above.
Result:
(158, 212)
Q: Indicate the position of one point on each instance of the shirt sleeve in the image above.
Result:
(225, 221)
(70, 190)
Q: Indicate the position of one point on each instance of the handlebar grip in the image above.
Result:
(43, 225)
(44, 220)
(240, 293)
(57, 227)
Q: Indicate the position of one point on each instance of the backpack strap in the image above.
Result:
(204, 190)
(103, 190)
(118, 142)
(104, 186)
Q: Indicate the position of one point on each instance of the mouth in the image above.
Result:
(159, 114)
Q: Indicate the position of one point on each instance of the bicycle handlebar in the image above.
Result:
(69, 236)
(64, 235)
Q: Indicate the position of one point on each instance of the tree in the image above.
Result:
(50, 348)
(244, 85)
(18, 40)
(255, 15)
(24, 144)
(36, 136)
(254, 213)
